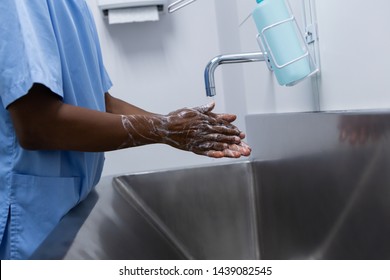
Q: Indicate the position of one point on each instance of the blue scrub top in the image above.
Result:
(54, 43)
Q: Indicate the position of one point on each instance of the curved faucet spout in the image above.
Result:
(227, 59)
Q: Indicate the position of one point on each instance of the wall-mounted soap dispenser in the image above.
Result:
(281, 41)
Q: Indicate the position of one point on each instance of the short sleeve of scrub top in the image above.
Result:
(54, 43)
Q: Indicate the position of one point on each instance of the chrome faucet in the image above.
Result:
(227, 59)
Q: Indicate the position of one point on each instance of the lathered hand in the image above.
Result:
(241, 148)
(197, 130)
(205, 133)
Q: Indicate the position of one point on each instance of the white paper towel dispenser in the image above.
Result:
(121, 11)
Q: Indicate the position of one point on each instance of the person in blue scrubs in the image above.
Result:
(57, 119)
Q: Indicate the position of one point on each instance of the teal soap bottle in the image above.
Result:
(281, 41)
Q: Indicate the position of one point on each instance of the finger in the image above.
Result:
(215, 154)
(243, 149)
(205, 109)
(231, 153)
(224, 117)
(223, 129)
(228, 153)
(245, 145)
(212, 154)
(225, 153)
(221, 138)
(207, 146)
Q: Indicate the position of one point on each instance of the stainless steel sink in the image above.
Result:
(306, 195)
(208, 212)
(191, 213)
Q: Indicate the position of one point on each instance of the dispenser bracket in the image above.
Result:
(311, 33)
(309, 38)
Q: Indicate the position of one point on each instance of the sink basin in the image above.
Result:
(191, 213)
(303, 199)
(209, 212)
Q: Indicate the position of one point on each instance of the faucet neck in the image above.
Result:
(227, 59)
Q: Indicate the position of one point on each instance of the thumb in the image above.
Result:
(204, 109)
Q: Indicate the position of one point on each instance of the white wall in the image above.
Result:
(355, 59)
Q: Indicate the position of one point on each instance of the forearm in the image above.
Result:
(118, 106)
(43, 122)
(80, 129)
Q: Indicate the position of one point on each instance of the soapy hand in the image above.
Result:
(206, 133)
(197, 130)
(242, 148)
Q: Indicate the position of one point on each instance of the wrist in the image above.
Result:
(159, 128)
(143, 129)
